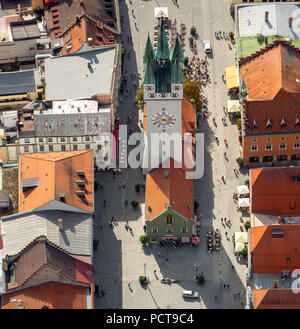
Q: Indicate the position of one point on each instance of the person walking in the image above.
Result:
(155, 272)
(228, 286)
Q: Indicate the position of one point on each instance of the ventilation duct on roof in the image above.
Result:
(79, 172)
(290, 21)
(62, 197)
(266, 16)
(80, 193)
(31, 182)
(80, 182)
(60, 224)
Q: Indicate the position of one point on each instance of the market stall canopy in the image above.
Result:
(160, 12)
(243, 189)
(195, 240)
(233, 106)
(231, 77)
(239, 247)
(241, 237)
(244, 202)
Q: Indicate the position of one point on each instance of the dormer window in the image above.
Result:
(254, 124)
(283, 122)
(297, 121)
(268, 123)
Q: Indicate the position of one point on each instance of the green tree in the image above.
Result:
(144, 239)
(134, 203)
(201, 279)
(239, 161)
(247, 225)
(193, 31)
(191, 90)
(139, 98)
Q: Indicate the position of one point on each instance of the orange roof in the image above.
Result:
(269, 254)
(275, 299)
(56, 174)
(54, 295)
(275, 196)
(271, 77)
(174, 189)
(82, 30)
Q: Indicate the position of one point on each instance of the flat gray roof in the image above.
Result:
(18, 82)
(81, 124)
(80, 75)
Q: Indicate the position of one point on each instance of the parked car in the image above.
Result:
(207, 46)
(190, 294)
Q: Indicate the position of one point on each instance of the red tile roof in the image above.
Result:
(275, 299)
(275, 196)
(269, 254)
(54, 295)
(56, 174)
(273, 87)
(174, 188)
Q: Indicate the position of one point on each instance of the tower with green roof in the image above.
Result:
(163, 95)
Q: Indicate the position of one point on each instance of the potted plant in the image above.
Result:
(244, 252)
(247, 225)
(201, 279)
(193, 31)
(134, 204)
(144, 239)
(239, 161)
(137, 187)
(142, 279)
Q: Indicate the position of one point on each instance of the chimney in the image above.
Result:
(60, 224)
(290, 21)
(278, 220)
(90, 42)
(266, 16)
(62, 197)
(19, 9)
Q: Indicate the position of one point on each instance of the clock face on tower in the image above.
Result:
(163, 119)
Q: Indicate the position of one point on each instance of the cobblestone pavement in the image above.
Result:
(120, 258)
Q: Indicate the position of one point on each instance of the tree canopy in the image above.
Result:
(191, 90)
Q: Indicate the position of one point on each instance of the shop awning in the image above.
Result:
(233, 106)
(195, 240)
(241, 237)
(244, 202)
(185, 239)
(243, 189)
(160, 12)
(231, 77)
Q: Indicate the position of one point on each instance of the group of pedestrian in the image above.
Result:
(113, 222)
(197, 70)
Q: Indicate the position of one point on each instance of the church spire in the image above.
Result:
(177, 52)
(162, 51)
(148, 52)
(177, 75)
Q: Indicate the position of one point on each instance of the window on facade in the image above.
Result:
(269, 139)
(50, 140)
(282, 146)
(87, 139)
(268, 147)
(297, 138)
(50, 148)
(295, 157)
(63, 147)
(184, 229)
(87, 146)
(154, 229)
(153, 239)
(253, 159)
(27, 140)
(63, 139)
(169, 219)
(75, 147)
(26, 148)
(296, 145)
(282, 157)
(267, 158)
(74, 139)
(283, 139)
(42, 148)
(169, 230)
(254, 148)
(41, 140)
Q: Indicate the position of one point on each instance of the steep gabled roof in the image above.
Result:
(169, 187)
(54, 295)
(41, 253)
(55, 174)
(275, 248)
(273, 190)
(275, 299)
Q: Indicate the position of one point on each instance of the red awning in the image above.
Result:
(195, 240)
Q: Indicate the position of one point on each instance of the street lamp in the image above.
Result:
(197, 264)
